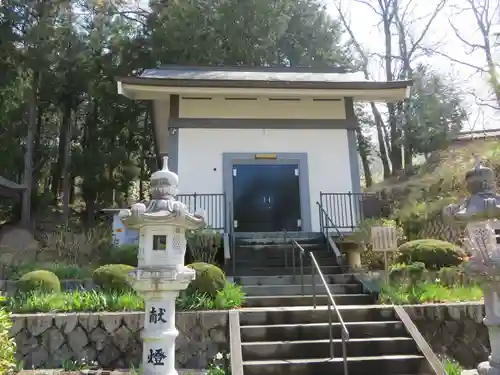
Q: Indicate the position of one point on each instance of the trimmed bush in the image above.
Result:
(435, 254)
(7, 343)
(203, 245)
(124, 254)
(113, 277)
(413, 271)
(209, 278)
(42, 280)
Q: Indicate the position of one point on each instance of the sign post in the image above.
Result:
(384, 239)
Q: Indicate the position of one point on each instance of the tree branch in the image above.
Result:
(434, 14)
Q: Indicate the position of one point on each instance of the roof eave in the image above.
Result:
(246, 84)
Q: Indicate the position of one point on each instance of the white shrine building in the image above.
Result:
(264, 148)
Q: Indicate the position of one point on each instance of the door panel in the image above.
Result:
(266, 197)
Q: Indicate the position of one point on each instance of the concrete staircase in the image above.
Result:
(280, 332)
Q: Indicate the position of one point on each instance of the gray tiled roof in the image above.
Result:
(251, 74)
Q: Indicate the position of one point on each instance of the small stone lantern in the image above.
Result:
(479, 213)
(161, 273)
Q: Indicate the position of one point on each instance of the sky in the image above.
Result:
(364, 23)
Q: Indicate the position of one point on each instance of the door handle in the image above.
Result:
(267, 200)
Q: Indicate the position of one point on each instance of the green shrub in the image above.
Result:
(229, 297)
(209, 278)
(124, 254)
(203, 245)
(435, 254)
(43, 280)
(7, 343)
(412, 271)
(113, 277)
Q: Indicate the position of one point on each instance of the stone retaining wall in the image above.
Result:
(455, 330)
(113, 339)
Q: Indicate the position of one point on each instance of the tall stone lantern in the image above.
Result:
(161, 273)
(479, 213)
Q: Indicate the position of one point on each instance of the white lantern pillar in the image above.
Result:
(480, 212)
(161, 273)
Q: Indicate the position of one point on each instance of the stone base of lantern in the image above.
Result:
(484, 368)
(160, 288)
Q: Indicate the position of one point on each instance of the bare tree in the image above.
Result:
(379, 122)
(398, 22)
(485, 14)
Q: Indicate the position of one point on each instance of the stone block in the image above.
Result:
(39, 323)
(111, 322)
(52, 339)
(66, 322)
(134, 321)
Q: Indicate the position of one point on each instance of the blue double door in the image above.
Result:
(266, 197)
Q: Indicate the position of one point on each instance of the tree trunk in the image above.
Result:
(144, 146)
(395, 145)
(28, 156)
(58, 165)
(379, 122)
(365, 163)
(66, 123)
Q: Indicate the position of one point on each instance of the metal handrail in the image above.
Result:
(331, 301)
(232, 238)
(323, 214)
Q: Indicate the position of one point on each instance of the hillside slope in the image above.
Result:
(418, 200)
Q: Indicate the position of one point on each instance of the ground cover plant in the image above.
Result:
(414, 284)
(115, 294)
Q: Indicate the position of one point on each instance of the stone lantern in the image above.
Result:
(161, 273)
(479, 213)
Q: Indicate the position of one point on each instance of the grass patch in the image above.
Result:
(419, 292)
(229, 297)
(451, 366)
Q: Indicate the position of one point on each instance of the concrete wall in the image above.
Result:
(261, 107)
(113, 339)
(200, 160)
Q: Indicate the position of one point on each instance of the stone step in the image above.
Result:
(264, 255)
(364, 347)
(283, 290)
(302, 314)
(269, 237)
(280, 246)
(307, 300)
(283, 262)
(273, 271)
(383, 365)
(345, 278)
(320, 331)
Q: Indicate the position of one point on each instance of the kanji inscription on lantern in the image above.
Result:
(157, 315)
(156, 357)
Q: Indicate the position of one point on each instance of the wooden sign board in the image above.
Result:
(384, 238)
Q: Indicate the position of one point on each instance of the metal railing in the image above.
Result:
(348, 209)
(232, 239)
(326, 225)
(211, 205)
(331, 301)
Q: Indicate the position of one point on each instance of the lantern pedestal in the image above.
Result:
(488, 276)
(161, 273)
(160, 289)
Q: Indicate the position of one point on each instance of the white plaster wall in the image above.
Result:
(200, 157)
